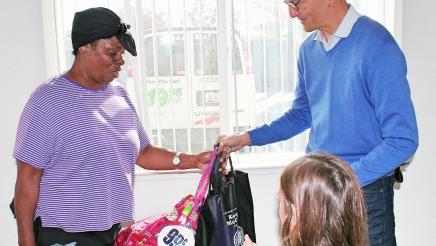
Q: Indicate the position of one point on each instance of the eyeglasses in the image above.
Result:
(293, 4)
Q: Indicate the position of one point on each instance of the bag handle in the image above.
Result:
(202, 188)
(200, 194)
(216, 176)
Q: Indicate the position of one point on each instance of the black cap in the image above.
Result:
(100, 23)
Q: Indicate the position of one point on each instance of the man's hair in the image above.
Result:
(330, 209)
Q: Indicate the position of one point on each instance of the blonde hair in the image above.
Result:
(330, 209)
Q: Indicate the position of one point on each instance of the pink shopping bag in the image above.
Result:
(174, 228)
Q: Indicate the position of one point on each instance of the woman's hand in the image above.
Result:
(248, 242)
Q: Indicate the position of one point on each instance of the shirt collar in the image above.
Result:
(344, 28)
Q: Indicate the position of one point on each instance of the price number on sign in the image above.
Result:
(176, 236)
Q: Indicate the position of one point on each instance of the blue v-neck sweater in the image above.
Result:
(356, 101)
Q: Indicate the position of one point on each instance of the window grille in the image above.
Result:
(208, 67)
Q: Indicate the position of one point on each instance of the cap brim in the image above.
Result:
(128, 43)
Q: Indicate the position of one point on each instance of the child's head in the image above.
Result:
(321, 203)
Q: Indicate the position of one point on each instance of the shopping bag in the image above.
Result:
(228, 212)
(12, 207)
(174, 228)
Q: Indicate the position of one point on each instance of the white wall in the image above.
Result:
(22, 69)
(415, 202)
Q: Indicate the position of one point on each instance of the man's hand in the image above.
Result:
(232, 143)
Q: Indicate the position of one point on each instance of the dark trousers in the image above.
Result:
(52, 236)
(379, 198)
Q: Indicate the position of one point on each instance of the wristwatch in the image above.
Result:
(176, 159)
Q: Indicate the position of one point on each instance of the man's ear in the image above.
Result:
(335, 2)
(331, 2)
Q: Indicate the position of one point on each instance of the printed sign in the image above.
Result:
(175, 236)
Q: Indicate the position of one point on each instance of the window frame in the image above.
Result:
(55, 58)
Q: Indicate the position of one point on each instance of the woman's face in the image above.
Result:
(104, 60)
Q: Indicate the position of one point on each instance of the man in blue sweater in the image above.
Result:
(353, 94)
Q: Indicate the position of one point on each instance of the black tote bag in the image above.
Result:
(228, 212)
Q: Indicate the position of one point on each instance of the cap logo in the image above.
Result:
(122, 28)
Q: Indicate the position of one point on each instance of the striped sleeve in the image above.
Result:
(32, 143)
(144, 140)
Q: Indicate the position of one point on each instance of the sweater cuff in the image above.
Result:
(258, 136)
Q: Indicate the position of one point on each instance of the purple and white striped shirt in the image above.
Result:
(86, 142)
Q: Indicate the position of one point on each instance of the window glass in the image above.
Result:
(174, 80)
(205, 54)
(149, 57)
(170, 54)
(236, 58)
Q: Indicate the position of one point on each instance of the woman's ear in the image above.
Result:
(283, 207)
(294, 216)
(85, 48)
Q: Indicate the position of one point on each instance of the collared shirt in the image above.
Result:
(343, 30)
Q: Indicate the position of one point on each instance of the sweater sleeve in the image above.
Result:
(389, 93)
(294, 121)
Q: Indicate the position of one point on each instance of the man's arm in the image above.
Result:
(288, 125)
(297, 119)
(390, 95)
(26, 198)
(155, 158)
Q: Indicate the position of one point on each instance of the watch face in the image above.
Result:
(176, 159)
